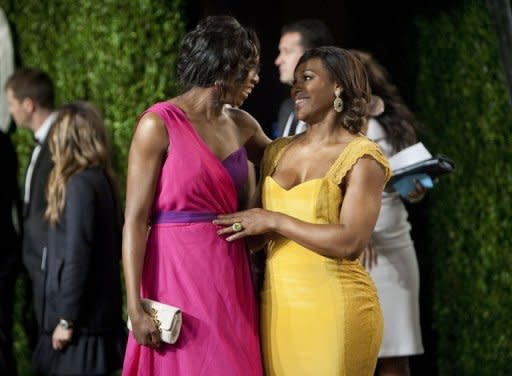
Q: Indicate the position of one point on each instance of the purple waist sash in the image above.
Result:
(182, 217)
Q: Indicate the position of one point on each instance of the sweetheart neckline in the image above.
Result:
(296, 185)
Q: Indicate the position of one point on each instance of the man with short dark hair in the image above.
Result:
(30, 99)
(296, 38)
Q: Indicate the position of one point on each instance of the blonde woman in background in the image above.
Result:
(82, 324)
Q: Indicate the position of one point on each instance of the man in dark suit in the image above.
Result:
(30, 98)
(296, 38)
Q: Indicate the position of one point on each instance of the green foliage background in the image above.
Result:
(118, 54)
(462, 98)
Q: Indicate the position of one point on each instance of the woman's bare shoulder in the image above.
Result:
(242, 119)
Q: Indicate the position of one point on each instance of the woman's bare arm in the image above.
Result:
(147, 151)
(358, 216)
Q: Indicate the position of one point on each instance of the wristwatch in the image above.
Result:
(65, 324)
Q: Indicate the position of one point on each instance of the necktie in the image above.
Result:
(30, 169)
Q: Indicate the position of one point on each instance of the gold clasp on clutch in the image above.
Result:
(153, 314)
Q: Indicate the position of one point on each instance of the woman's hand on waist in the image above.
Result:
(246, 223)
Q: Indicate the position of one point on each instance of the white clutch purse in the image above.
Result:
(167, 318)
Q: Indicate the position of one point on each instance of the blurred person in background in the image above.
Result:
(83, 331)
(30, 99)
(394, 267)
(6, 69)
(10, 254)
(296, 38)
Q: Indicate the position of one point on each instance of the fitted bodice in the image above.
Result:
(298, 202)
(236, 166)
(295, 201)
(322, 196)
(314, 201)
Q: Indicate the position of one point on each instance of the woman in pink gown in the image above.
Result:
(187, 160)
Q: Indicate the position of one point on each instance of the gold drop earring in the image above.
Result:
(338, 102)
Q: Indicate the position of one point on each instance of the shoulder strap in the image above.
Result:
(170, 114)
(357, 149)
(163, 109)
(272, 155)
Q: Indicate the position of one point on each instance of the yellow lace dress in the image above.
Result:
(320, 316)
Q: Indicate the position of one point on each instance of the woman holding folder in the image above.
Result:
(394, 267)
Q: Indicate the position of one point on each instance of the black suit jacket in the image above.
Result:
(286, 108)
(9, 200)
(10, 251)
(35, 227)
(84, 250)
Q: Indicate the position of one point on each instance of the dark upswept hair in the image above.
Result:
(313, 33)
(34, 84)
(218, 49)
(346, 70)
(399, 123)
(78, 140)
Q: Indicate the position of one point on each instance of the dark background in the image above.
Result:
(386, 29)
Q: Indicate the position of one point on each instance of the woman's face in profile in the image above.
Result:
(313, 91)
(237, 92)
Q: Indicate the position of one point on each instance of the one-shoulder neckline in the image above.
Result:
(200, 139)
(241, 149)
(329, 171)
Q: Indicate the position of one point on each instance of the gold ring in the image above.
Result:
(237, 227)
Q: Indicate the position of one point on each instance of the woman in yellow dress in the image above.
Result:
(321, 193)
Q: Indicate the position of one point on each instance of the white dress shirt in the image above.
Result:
(40, 136)
(301, 126)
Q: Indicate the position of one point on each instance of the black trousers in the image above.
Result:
(7, 284)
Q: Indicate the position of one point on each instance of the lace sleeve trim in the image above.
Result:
(357, 149)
